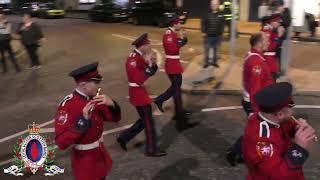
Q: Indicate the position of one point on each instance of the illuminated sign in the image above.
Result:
(87, 1)
(5, 1)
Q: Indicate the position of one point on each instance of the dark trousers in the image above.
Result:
(211, 42)
(173, 91)
(236, 147)
(5, 46)
(145, 122)
(33, 54)
(275, 76)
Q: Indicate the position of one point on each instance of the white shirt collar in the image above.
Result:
(268, 26)
(139, 52)
(82, 94)
(28, 24)
(172, 29)
(269, 121)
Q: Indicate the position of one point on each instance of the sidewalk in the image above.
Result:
(248, 28)
(77, 15)
(304, 81)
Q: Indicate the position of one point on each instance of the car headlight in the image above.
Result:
(170, 15)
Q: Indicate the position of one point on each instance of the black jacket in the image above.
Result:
(213, 24)
(31, 35)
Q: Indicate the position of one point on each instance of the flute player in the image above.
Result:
(275, 146)
(79, 123)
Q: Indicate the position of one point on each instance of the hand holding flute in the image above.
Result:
(305, 133)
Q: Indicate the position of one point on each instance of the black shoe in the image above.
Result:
(231, 157)
(185, 126)
(159, 105)
(215, 65)
(185, 117)
(122, 144)
(186, 112)
(157, 154)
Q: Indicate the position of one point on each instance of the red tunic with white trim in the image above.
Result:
(72, 129)
(138, 72)
(172, 44)
(256, 75)
(274, 43)
(269, 152)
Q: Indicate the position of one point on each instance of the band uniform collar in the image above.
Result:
(271, 124)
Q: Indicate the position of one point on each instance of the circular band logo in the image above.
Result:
(34, 151)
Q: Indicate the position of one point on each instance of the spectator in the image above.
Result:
(31, 37)
(212, 26)
(5, 46)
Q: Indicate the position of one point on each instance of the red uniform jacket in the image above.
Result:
(274, 43)
(70, 129)
(256, 75)
(172, 44)
(138, 72)
(269, 152)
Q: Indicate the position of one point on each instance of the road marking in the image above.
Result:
(221, 108)
(116, 129)
(6, 162)
(190, 49)
(307, 106)
(184, 62)
(159, 57)
(240, 107)
(23, 132)
(151, 96)
(47, 130)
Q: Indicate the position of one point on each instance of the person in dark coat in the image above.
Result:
(31, 37)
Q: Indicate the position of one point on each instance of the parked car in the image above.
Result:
(49, 10)
(108, 12)
(156, 12)
(31, 8)
(6, 8)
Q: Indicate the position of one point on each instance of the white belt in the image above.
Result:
(135, 85)
(246, 96)
(269, 53)
(84, 147)
(173, 56)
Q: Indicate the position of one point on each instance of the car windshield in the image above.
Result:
(166, 4)
(4, 5)
(49, 6)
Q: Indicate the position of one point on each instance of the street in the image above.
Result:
(198, 153)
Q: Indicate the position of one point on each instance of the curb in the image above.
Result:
(239, 92)
(73, 17)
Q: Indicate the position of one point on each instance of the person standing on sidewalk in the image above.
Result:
(275, 32)
(31, 37)
(173, 40)
(5, 46)
(212, 26)
(140, 66)
(256, 75)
